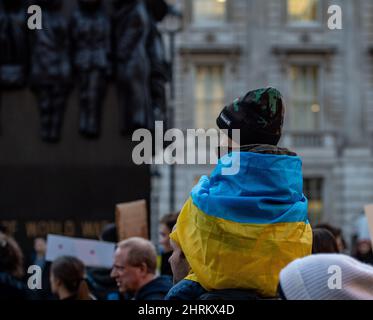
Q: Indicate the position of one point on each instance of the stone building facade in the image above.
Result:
(228, 47)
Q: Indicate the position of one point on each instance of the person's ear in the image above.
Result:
(143, 268)
(58, 283)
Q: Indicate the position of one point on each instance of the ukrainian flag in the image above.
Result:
(238, 231)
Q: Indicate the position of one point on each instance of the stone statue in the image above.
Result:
(14, 53)
(90, 31)
(131, 31)
(50, 68)
(160, 69)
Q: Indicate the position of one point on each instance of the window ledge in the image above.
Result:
(311, 139)
(216, 49)
(223, 28)
(213, 26)
(304, 27)
(292, 49)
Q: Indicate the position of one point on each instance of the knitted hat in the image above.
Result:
(259, 115)
(316, 277)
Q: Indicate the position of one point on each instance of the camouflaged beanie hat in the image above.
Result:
(259, 115)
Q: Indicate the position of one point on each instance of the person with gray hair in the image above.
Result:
(134, 270)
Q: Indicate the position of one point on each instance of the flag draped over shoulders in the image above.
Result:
(239, 231)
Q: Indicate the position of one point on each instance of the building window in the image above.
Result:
(207, 12)
(313, 190)
(303, 11)
(305, 113)
(209, 95)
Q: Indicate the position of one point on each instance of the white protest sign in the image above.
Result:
(92, 253)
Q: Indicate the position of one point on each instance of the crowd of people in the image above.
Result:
(238, 237)
(141, 273)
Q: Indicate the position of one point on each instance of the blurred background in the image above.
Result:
(216, 50)
(228, 47)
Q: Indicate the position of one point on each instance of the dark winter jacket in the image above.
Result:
(185, 290)
(156, 289)
(102, 286)
(12, 288)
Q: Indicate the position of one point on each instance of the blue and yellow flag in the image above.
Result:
(238, 231)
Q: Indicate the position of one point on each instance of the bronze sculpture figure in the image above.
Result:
(90, 31)
(14, 54)
(131, 31)
(50, 68)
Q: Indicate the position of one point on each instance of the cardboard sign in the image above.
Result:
(369, 215)
(92, 253)
(132, 220)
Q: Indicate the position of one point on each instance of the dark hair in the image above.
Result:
(40, 238)
(334, 230)
(11, 256)
(169, 220)
(3, 229)
(70, 271)
(323, 241)
(109, 233)
(337, 232)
